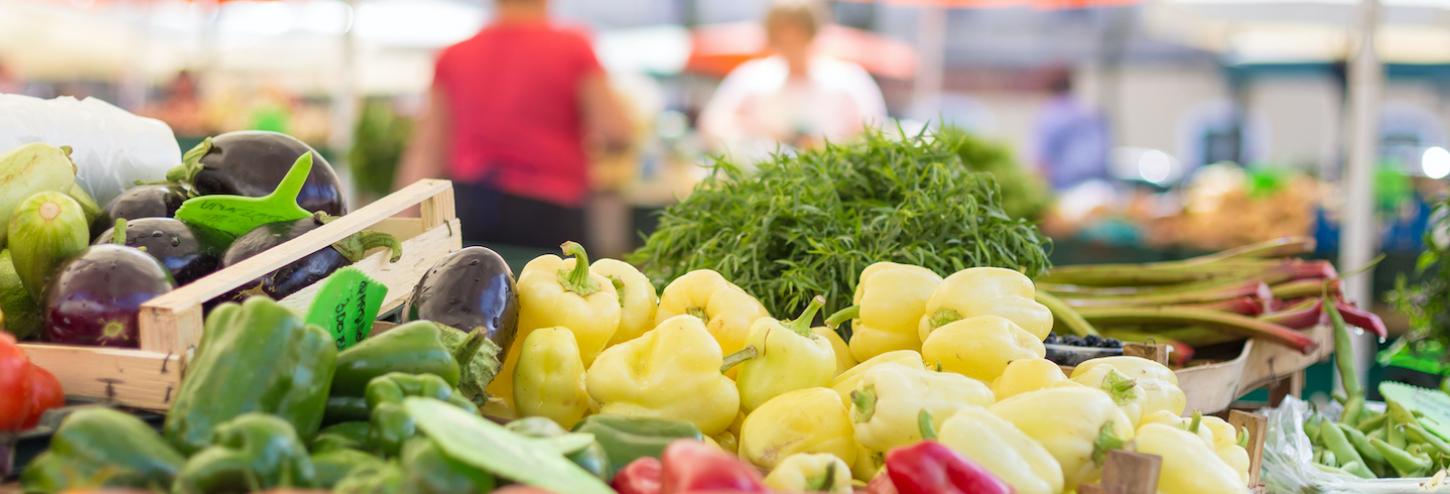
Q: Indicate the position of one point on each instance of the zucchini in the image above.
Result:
(46, 229)
(34, 167)
(22, 315)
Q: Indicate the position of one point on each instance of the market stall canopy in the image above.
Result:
(719, 48)
(1256, 31)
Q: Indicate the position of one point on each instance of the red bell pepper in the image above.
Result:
(928, 467)
(640, 476)
(29, 389)
(693, 466)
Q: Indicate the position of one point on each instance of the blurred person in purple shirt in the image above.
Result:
(1072, 140)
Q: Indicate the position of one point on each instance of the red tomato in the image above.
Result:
(45, 394)
(15, 385)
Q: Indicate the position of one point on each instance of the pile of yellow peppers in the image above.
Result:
(958, 358)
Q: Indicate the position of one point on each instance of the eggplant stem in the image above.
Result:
(357, 245)
(118, 232)
(190, 165)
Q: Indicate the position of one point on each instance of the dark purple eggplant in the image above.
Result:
(472, 288)
(170, 241)
(251, 163)
(307, 270)
(141, 201)
(93, 298)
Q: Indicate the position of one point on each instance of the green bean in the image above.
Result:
(1372, 456)
(1312, 429)
(1414, 432)
(1331, 469)
(1358, 470)
(1378, 433)
(1404, 463)
(1338, 444)
(1373, 422)
(1394, 436)
(1398, 414)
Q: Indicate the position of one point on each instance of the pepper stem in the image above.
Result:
(863, 403)
(943, 317)
(118, 232)
(357, 245)
(1121, 388)
(823, 482)
(802, 325)
(1107, 440)
(924, 425)
(843, 315)
(577, 280)
(739, 357)
(1196, 422)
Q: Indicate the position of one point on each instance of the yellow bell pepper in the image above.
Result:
(549, 381)
(1140, 386)
(1025, 375)
(889, 302)
(1189, 466)
(672, 372)
(810, 472)
(846, 382)
(637, 299)
(888, 402)
(980, 347)
(781, 357)
(844, 361)
(1184, 423)
(1077, 425)
(726, 309)
(811, 420)
(986, 291)
(867, 464)
(555, 292)
(726, 441)
(1226, 445)
(1001, 448)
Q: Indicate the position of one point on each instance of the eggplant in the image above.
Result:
(143, 201)
(251, 163)
(171, 242)
(307, 270)
(470, 289)
(93, 298)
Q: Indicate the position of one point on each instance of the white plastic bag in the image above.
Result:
(1288, 465)
(112, 148)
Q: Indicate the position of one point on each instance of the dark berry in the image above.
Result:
(1092, 340)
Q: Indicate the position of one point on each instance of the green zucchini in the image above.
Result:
(22, 315)
(46, 229)
(34, 167)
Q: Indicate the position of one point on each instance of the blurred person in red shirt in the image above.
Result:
(510, 115)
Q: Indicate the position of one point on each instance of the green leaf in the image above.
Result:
(474, 440)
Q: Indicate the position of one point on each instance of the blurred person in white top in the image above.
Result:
(795, 97)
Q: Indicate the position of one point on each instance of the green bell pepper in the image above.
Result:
(345, 435)
(626, 439)
(419, 347)
(101, 447)
(250, 453)
(334, 465)
(390, 424)
(255, 357)
(591, 458)
(426, 469)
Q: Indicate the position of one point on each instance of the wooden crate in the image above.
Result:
(1127, 472)
(171, 324)
(1213, 387)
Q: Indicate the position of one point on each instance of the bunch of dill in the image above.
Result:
(807, 224)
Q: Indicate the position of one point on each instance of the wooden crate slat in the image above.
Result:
(182, 304)
(135, 378)
(419, 254)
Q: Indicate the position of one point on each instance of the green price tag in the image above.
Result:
(229, 217)
(346, 305)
